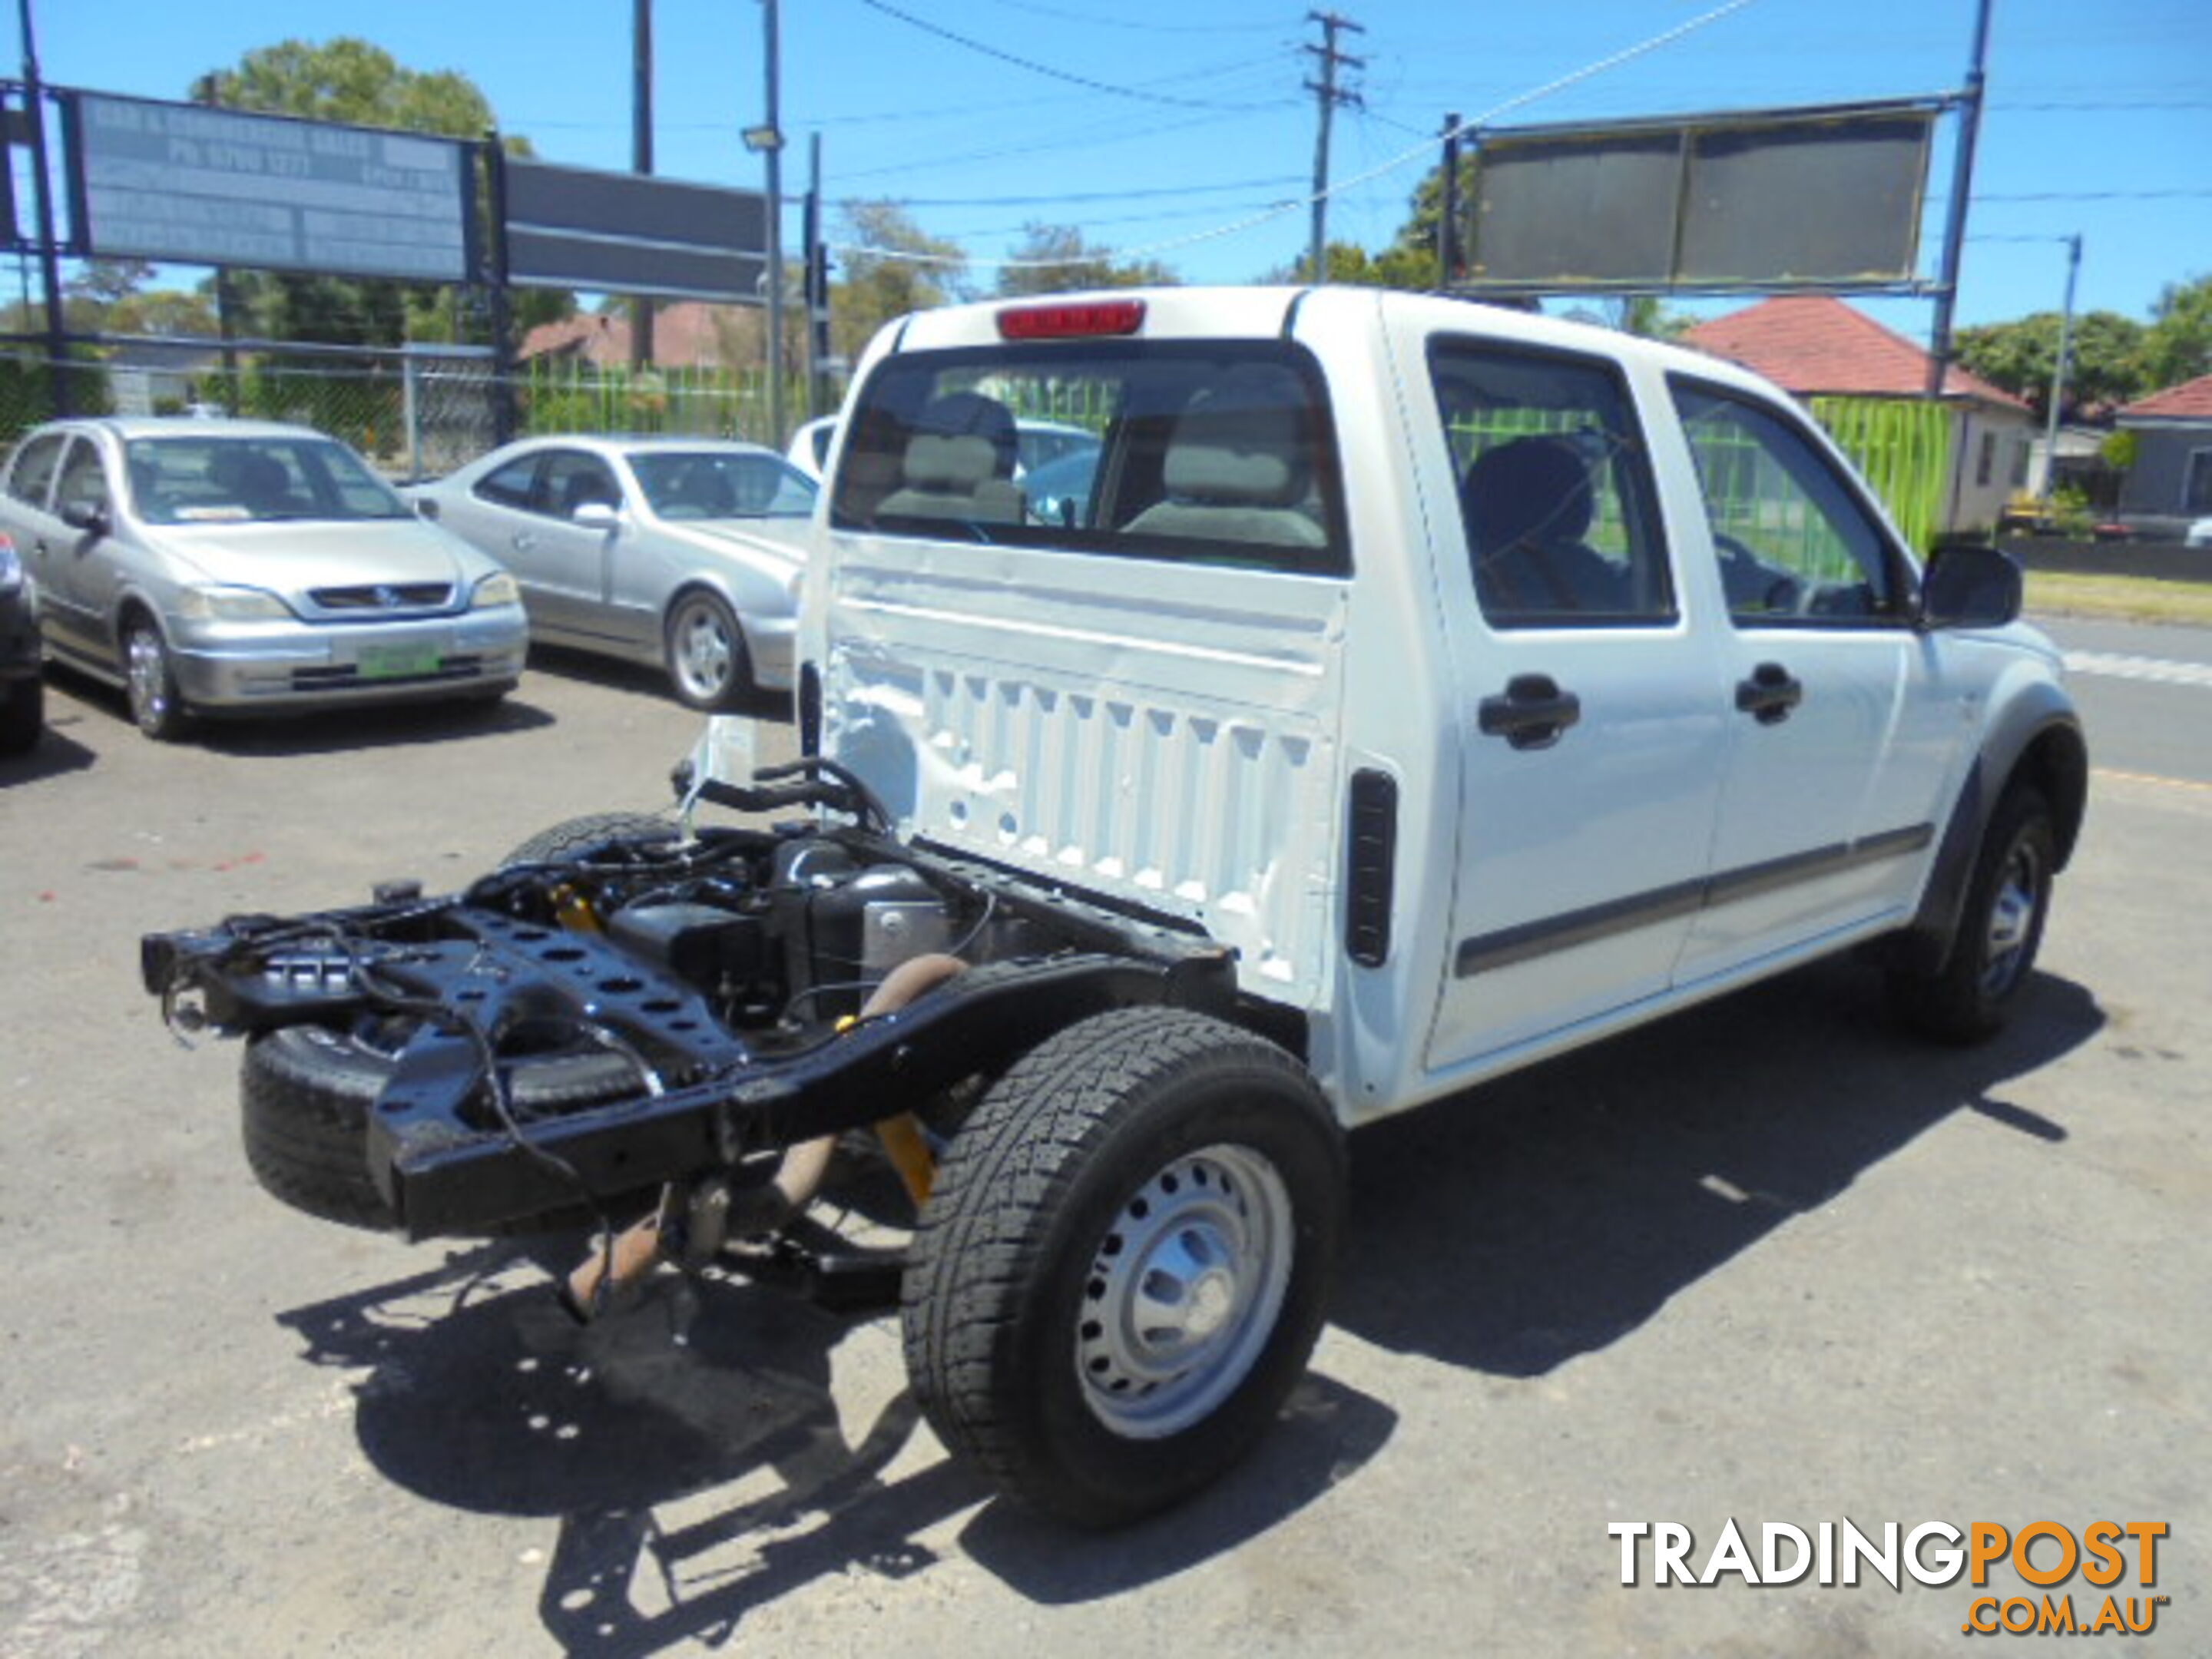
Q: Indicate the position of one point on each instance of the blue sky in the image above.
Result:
(1155, 125)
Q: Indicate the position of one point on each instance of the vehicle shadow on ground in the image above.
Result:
(617, 675)
(697, 1458)
(1550, 1213)
(54, 754)
(327, 732)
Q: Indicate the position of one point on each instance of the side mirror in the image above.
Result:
(596, 515)
(88, 516)
(1970, 585)
(426, 508)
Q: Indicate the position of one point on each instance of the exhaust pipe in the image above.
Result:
(713, 1212)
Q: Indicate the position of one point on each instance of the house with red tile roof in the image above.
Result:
(686, 334)
(2169, 483)
(1814, 345)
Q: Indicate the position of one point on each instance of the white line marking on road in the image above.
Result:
(2113, 666)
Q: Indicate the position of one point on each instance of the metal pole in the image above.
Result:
(1448, 214)
(50, 264)
(502, 346)
(1962, 188)
(774, 238)
(411, 410)
(2058, 369)
(815, 300)
(641, 150)
(208, 90)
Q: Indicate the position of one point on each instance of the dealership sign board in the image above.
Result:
(1824, 197)
(215, 186)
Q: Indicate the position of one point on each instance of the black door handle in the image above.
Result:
(1532, 713)
(1770, 694)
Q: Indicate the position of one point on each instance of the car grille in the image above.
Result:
(385, 595)
(339, 676)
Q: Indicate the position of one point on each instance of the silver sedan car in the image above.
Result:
(681, 552)
(245, 567)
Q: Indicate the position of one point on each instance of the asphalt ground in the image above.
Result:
(1771, 1262)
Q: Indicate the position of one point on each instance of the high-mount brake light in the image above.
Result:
(1083, 320)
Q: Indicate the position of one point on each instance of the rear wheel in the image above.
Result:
(150, 682)
(2000, 929)
(706, 660)
(1124, 1264)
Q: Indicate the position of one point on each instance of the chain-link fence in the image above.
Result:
(415, 413)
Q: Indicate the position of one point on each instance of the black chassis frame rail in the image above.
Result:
(447, 1170)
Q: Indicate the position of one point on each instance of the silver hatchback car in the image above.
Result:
(245, 567)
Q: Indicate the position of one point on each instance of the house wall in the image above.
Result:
(2157, 486)
(1988, 460)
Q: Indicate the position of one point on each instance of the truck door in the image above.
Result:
(1590, 745)
(1845, 729)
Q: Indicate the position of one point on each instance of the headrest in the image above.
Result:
(1529, 489)
(971, 414)
(1240, 443)
(946, 464)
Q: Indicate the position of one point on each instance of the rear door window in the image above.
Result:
(1554, 487)
(1212, 453)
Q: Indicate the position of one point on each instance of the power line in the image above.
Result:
(1103, 19)
(1252, 221)
(1046, 70)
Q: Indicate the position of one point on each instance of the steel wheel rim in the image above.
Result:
(1183, 1291)
(704, 651)
(148, 671)
(2013, 913)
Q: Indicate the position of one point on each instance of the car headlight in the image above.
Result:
(11, 567)
(498, 588)
(231, 605)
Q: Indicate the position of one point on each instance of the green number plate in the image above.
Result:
(396, 662)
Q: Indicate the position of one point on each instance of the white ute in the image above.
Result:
(1400, 690)
(1489, 683)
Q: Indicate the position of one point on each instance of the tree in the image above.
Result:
(2178, 345)
(2106, 358)
(105, 281)
(1056, 259)
(348, 79)
(890, 266)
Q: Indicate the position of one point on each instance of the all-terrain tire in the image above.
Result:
(307, 1093)
(1125, 1263)
(1966, 1000)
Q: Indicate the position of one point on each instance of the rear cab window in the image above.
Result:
(1214, 453)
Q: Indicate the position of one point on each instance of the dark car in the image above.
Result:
(22, 693)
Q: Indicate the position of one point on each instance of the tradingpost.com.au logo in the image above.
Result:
(2115, 1558)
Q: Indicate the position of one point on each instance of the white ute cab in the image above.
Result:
(1488, 683)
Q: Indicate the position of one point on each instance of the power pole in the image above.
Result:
(640, 155)
(1330, 96)
(2058, 369)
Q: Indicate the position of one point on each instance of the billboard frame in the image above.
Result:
(1684, 131)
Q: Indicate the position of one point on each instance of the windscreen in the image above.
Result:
(237, 480)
